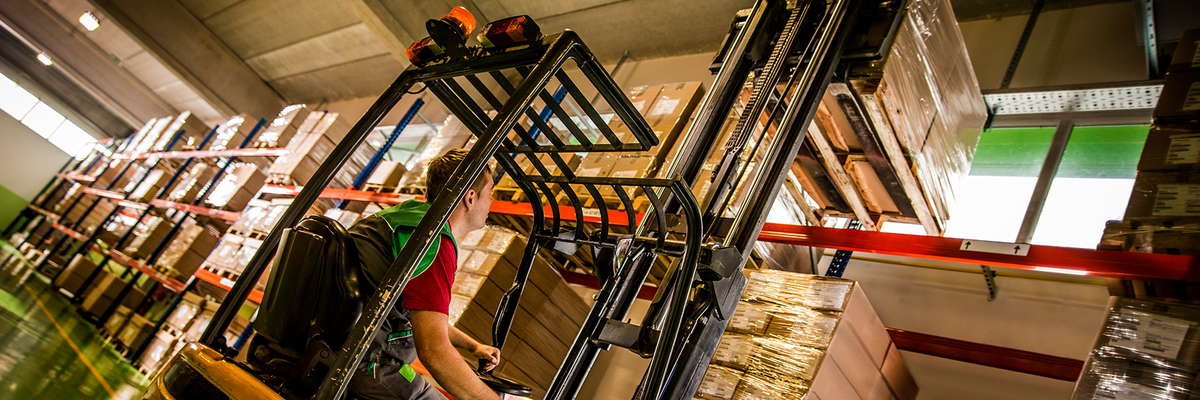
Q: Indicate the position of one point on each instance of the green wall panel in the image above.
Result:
(1093, 152)
(10, 206)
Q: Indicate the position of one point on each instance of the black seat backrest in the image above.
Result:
(313, 287)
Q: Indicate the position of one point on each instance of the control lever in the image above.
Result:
(501, 385)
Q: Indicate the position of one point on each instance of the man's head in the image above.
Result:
(475, 202)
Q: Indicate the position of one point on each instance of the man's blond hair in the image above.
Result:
(441, 169)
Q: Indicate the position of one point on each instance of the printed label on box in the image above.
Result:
(1196, 56)
(639, 104)
(625, 174)
(828, 295)
(500, 242)
(589, 171)
(664, 106)
(1192, 101)
(472, 239)
(1184, 149)
(1177, 199)
(1151, 334)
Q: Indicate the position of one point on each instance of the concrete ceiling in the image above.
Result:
(315, 51)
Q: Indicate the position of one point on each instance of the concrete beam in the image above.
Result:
(20, 64)
(385, 26)
(168, 31)
(83, 61)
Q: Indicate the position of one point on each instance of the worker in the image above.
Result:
(418, 326)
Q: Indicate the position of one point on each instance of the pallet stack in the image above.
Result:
(1163, 215)
(1145, 350)
(547, 318)
(804, 336)
(925, 105)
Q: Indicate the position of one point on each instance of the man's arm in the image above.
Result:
(479, 350)
(431, 332)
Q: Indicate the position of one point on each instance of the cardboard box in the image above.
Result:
(897, 375)
(387, 174)
(155, 139)
(1165, 196)
(116, 321)
(1187, 52)
(148, 236)
(283, 128)
(237, 188)
(71, 278)
(104, 291)
(1170, 149)
(190, 183)
(135, 331)
(1179, 101)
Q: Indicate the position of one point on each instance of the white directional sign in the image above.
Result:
(982, 246)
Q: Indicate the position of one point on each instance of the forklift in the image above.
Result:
(314, 324)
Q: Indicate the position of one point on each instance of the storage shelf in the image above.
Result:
(1100, 263)
(224, 283)
(210, 212)
(272, 152)
(123, 259)
(77, 177)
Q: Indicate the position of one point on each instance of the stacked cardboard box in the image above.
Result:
(283, 128)
(151, 139)
(146, 236)
(189, 184)
(188, 249)
(796, 335)
(547, 319)
(152, 184)
(194, 132)
(104, 291)
(71, 278)
(387, 174)
(1163, 215)
(314, 139)
(1145, 350)
(239, 185)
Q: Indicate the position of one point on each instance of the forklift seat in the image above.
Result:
(310, 305)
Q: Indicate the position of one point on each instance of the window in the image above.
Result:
(1092, 185)
(43, 119)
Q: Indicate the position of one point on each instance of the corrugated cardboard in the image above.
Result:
(1187, 52)
(1179, 101)
(1170, 149)
(1165, 196)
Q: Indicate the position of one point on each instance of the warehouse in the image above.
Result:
(837, 199)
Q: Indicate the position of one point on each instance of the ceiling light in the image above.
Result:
(45, 59)
(89, 21)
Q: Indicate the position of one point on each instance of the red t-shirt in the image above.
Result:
(430, 291)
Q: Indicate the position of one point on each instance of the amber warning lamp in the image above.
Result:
(509, 32)
(446, 35)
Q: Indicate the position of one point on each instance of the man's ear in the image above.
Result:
(469, 198)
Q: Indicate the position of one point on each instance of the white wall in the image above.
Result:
(1074, 46)
(27, 161)
(1048, 317)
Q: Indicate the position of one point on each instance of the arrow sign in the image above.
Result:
(1015, 249)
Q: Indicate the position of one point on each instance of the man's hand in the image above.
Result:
(489, 353)
(432, 337)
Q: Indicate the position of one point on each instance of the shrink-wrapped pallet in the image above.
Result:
(1145, 349)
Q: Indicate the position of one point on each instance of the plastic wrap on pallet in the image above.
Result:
(803, 326)
(779, 370)
(1121, 379)
(719, 383)
(932, 98)
(1182, 239)
(1153, 332)
(779, 287)
(734, 351)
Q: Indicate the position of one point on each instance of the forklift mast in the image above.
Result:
(791, 48)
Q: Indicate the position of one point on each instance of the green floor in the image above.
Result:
(36, 362)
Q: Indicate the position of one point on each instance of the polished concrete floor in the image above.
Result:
(47, 351)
